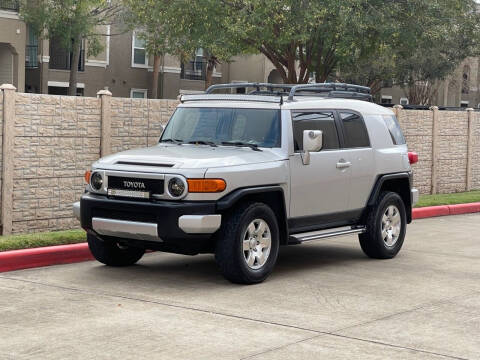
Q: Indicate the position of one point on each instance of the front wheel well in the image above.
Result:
(275, 200)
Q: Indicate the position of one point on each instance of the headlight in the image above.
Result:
(96, 181)
(176, 187)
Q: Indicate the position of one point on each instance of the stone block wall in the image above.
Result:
(417, 128)
(54, 139)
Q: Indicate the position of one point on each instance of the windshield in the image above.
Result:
(258, 127)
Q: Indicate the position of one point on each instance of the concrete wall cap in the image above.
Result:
(104, 92)
(470, 109)
(7, 87)
(434, 108)
(398, 107)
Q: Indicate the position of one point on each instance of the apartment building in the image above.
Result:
(42, 66)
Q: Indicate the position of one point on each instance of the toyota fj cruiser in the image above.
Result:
(238, 175)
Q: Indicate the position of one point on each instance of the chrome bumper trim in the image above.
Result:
(199, 224)
(415, 196)
(126, 229)
(76, 210)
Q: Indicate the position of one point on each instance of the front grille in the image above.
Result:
(154, 186)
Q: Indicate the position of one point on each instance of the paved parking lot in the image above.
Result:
(325, 300)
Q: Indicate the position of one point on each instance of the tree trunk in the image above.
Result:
(72, 85)
(156, 69)
(211, 62)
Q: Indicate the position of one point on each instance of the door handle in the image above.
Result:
(343, 164)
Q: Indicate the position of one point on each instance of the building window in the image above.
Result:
(195, 69)
(138, 93)
(139, 53)
(31, 51)
(464, 104)
(386, 99)
(61, 59)
(403, 101)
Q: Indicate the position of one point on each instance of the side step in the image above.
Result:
(324, 234)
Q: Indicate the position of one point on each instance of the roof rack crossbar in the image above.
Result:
(255, 85)
(231, 97)
(331, 89)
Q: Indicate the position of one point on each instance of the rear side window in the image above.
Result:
(355, 132)
(321, 120)
(394, 129)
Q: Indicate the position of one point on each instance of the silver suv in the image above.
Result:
(238, 175)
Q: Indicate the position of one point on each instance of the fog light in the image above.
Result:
(96, 181)
(176, 187)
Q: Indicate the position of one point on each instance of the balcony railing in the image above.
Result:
(31, 58)
(62, 60)
(194, 70)
(11, 5)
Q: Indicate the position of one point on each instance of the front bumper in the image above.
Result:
(162, 222)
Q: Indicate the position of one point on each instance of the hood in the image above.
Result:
(188, 156)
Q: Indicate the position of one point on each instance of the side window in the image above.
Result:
(356, 134)
(321, 120)
(394, 129)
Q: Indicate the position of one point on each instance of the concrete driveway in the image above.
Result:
(325, 300)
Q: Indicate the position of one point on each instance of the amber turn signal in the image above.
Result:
(206, 185)
(88, 173)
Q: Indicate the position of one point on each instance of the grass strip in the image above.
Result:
(27, 241)
(449, 199)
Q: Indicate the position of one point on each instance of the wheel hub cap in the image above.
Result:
(257, 241)
(391, 225)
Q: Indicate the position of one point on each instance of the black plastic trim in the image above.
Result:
(229, 200)
(379, 182)
(326, 221)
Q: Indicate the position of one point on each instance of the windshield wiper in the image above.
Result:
(242, 144)
(202, 142)
(175, 141)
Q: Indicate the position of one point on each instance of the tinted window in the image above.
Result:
(356, 134)
(324, 121)
(394, 128)
(255, 126)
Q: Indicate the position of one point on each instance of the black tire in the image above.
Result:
(229, 252)
(111, 254)
(372, 241)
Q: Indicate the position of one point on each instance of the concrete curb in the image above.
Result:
(44, 256)
(443, 210)
(67, 254)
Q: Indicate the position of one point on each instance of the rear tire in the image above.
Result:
(248, 243)
(112, 254)
(386, 226)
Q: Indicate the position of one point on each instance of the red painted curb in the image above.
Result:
(433, 211)
(44, 256)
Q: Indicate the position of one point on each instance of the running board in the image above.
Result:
(324, 234)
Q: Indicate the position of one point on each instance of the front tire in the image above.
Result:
(386, 226)
(248, 244)
(111, 253)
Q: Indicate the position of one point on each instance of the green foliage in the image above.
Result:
(26, 241)
(449, 199)
(67, 20)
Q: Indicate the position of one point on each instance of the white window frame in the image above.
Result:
(135, 65)
(387, 97)
(404, 99)
(144, 91)
(464, 103)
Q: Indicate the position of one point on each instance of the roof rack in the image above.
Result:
(265, 90)
(231, 97)
(336, 90)
(258, 86)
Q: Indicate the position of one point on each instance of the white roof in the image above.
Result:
(300, 103)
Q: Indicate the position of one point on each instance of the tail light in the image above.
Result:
(412, 157)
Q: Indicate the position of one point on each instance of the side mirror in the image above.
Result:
(312, 142)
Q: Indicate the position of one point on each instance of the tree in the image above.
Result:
(70, 22)
(422, 43)
(303, 36)
(179, 28)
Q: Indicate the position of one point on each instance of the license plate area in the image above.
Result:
(129, 193)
